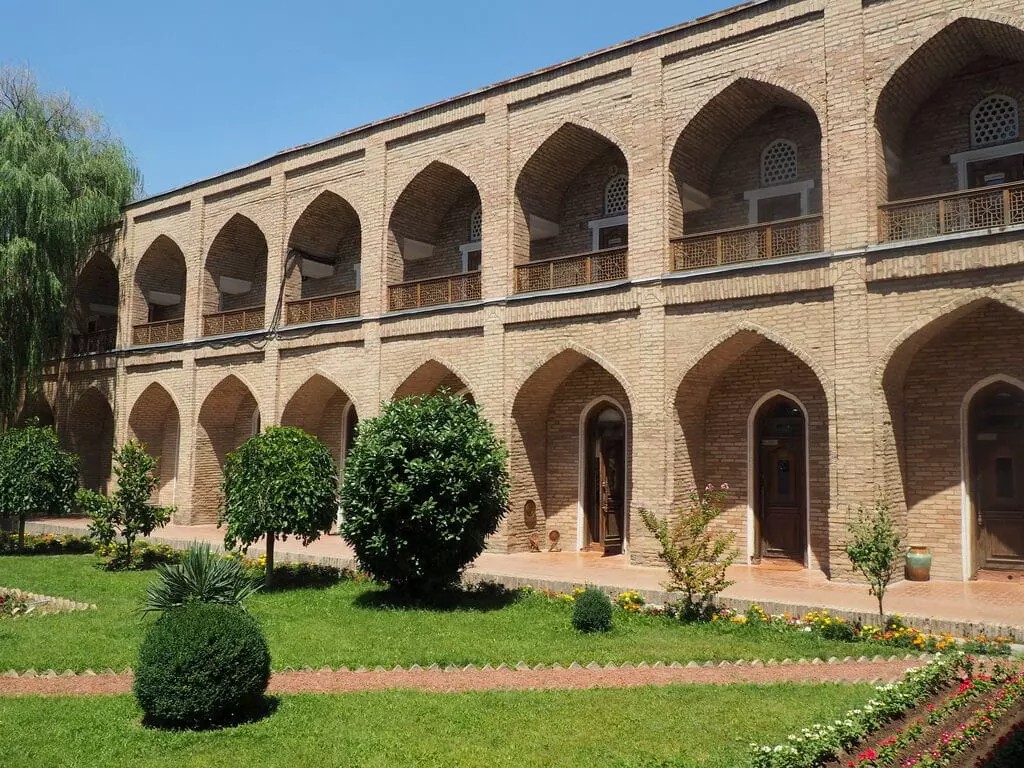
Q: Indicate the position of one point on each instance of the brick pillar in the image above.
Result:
(648, 234)
(195, 261)
(374, 223)
(497, 199)
(188, 418)
(277, 253)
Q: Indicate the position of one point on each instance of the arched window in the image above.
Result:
(778, 163)
(616, 196)
(476, 225)
(995, 120)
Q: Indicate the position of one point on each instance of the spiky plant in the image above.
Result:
(202, 577)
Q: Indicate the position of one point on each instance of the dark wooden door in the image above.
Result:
(778, 208)
(997, 464)
(781, 463)
(606, 480)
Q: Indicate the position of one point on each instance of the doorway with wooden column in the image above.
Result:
(780, 481)
(604, 479)
(996, 459)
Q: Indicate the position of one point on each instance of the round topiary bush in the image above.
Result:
(592, 611)
(202, 666)
(425, 484)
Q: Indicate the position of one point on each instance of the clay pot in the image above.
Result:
(919, 564)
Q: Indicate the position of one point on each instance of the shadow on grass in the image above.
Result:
(264, 708)
(484, 596)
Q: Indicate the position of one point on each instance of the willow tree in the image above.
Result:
(63, 182)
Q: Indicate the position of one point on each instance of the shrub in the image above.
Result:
(280, 483)
(592, 611)
(119, 519)
(36, 476)
(875, 549)
(201, 577)
(425, 484)
(697, 559)
(202, 665)
(45, 544)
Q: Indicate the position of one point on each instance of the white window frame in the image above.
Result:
(357, 271)
(963, 159)
(598, 224)
(802, 188)
(464, 250)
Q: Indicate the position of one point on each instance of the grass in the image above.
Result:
(346, 625)
(626, 728)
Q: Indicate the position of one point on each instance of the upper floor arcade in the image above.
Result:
(678, 155)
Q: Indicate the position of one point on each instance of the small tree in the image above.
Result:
(118, 520)
(280, 483)
(425, 485)
(36, 476)
(697, 558)
(875, 549)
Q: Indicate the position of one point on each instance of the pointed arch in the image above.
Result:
(431, 375)
(560, 193)
(158, 298)
(155, 421)
(325, 246)
(923, 389)
(548, 445)
(35, 406)
(91, 428)
(321, 407)
(229, 415)
(720, 387)
(715, 165)
(235, 272)
(95, 305)
(924, 100)
(427, 235)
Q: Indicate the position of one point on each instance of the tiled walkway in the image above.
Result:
(991, 607)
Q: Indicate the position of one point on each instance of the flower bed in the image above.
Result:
(12, 605)
(901, 728)
(45, 544)
(820, 743)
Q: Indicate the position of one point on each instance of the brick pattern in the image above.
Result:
(860, 338)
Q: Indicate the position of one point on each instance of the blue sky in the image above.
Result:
(197, 87)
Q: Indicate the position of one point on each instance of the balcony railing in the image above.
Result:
(434, 292)
(965, 211)
(159, 332)
(788, 237)
(569, 271)
(92, 343)
(235, 321)
(322, 308)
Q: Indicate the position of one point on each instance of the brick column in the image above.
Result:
(497, 200)
(648, 234)
(374, 223)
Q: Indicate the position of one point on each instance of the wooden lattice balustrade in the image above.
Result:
(788, 237)
(920, 217)
(434, 291)
(160, 332)
(568, 271)
(235, 321)
(323, 308)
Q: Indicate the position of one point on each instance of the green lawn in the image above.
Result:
(707, 726)
(341, 625)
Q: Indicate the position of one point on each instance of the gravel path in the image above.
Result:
(491, 679)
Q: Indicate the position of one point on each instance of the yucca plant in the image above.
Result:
(202, 577)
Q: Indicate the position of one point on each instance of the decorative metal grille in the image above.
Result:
(236, 321)
(616, 196)
(476, 226)
(995, 120)
(569, 271)
(779, 163)
(323, 308)
(792, 237)
(958, 212)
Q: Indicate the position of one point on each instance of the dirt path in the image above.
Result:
(473, 679)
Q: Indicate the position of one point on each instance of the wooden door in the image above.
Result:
(781, 474)
(997, 466)
(605, 480)
(778, 208)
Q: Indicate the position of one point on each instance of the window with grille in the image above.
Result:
(995, 120)
(476, 225)
(778, 163)
(616, 196)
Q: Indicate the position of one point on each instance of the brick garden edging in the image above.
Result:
(503, 677)
(47, 604)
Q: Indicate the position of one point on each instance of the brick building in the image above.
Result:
(780, 247)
